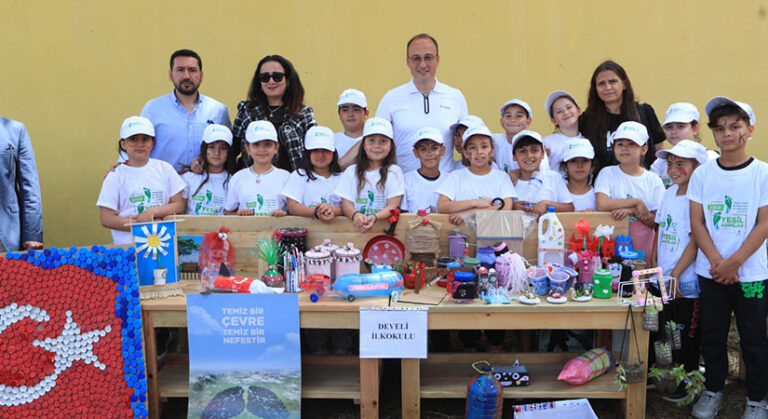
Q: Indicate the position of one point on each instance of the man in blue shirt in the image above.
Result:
(181, 116)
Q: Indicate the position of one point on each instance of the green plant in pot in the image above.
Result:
(667, 381)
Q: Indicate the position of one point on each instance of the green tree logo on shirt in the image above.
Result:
(716, 217)
(669, 222)
(370, 197)
(197, 208)
(728, 204)
(260, 200)
(148, 194)
(208, 196)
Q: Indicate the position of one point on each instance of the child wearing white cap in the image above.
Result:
(537, 190)
(475, 187)
(141, 189)
(353, 111)
(458, 130)
(516, 115)
(681, 122)
(676, 251)
(257, 190)
(373, 187)
(206, 192)
(421, 184)
(310, 189)
(628, 189)
(578, 165)
(729, 221)
(564, 113)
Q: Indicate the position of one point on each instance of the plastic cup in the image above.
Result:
(558, 281)
(539, 280)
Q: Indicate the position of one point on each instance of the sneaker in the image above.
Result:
(755, 410)
(708, 405)
(678, 395)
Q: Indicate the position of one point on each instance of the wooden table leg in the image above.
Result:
(634, 406)
(411, 388)
(369, 388)
(150, 358)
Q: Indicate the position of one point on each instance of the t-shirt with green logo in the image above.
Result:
(261, 193)
(371, 198)
(673, 218)
(730, 200)
(210, 197)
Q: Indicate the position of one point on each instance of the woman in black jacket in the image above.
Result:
(611, 102)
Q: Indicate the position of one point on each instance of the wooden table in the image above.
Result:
(447, 375)
(322, 377)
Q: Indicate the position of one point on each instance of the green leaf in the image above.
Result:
(323, 201)
(148, 194)
(669, 222)
(141, 208)
(197, 208)
(370, 197)
(716, 219)
(208, 196)
(362, 209)
(728, 204)
(260, 200)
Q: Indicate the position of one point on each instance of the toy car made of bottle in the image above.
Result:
(317, 285)
(352, 286)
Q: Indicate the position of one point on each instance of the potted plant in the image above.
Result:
(663, 352)
(667, 380)
(672, 330)
(651, 318)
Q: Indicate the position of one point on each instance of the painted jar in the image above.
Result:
(318, 262)
(347, 260)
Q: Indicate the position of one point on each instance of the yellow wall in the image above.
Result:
(73, 70)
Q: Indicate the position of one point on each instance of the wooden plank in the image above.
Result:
(635, 403)
(173, 380)
(369, 388)
(410, 371)
(150, 350)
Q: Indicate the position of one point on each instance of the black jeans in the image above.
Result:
(749, 301)
(686, 312)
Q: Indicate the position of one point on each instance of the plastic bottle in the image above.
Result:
(485, 396)
(551, 239)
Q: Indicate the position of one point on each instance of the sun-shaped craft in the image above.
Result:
(153, 242)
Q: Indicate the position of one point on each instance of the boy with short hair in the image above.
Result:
(729, 220)
(516, 116)
(537, 190)
(353, 111)
(420, 184)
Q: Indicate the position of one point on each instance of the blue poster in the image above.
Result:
(156, 260)
(244, 356)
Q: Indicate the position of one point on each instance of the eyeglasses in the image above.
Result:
(429, 58)
(276, 76)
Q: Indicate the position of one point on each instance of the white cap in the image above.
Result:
(352, 97)
(428, 133)
(216, 132)
(681, 112)
(686, 149)
(476, 130)
(526, 133)
(468, 121)
(517, 102)
(260, 131)
(136, 125)
(750, 112)
(318, 137)
(378, 125)
(631, 130)
(719, 101)
(557, 94)
(578, 147)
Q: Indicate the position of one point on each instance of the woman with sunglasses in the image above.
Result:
(612, 102)
(276, 95)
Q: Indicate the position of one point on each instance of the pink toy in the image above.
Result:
(215, 251)
(585, 367)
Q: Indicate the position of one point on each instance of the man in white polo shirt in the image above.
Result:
(422, 102)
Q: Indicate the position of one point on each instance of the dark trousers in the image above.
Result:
(751, 309)
(686, 312)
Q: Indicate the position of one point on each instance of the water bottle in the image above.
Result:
(551, 239)
(485, 396)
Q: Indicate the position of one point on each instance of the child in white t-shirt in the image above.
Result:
(681, 122)
(729, 221)
(421, 184)
(627, 189)
(516, 116)
(458, 130)
(577, 155)
(675, 249)
(257, 190)
(206, 193)
(475, 187)
(353, 111)
(310, 189)
(537, 190)
(564, 113)
(373, 187)
(141, 189)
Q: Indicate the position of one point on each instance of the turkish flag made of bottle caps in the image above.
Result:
(70, 334)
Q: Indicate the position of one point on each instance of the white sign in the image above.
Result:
(393, 332)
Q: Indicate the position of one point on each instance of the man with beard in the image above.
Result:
(181, 116)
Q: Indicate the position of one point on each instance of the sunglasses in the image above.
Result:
(276, 76)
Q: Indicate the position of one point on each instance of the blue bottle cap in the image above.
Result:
(463, 276)
(550, 209)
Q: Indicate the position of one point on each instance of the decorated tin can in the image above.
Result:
(318, 261)
(347, 260)
(331, 248)
(295, 236)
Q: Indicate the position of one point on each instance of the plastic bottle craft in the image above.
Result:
(269, 251)
(585, 367)
(485, 395)
(216, 257)
(551, 239)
